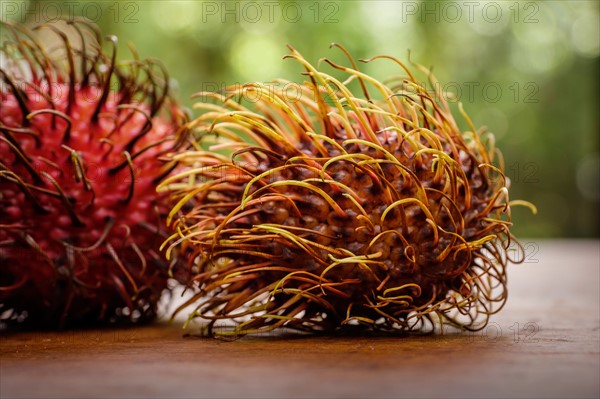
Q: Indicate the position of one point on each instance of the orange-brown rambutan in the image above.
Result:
(82, 142)
(317, 208)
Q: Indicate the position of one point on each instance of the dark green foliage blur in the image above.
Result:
(528, 70)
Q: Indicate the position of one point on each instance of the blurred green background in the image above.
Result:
(528, 70)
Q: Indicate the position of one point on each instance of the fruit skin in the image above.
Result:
(336, 210)
(82, 145)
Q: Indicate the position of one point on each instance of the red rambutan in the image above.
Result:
(82, 144)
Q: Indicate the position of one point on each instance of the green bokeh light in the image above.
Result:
(542, 55)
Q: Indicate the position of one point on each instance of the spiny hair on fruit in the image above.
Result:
(84, 141)
(351, 204)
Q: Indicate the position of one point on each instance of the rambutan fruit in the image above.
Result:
(82, 145)
(318, 209)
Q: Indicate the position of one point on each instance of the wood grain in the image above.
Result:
(545, 343)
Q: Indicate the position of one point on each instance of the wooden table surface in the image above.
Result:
(545, 343)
